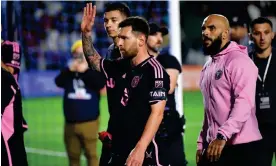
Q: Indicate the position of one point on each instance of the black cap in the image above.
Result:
(238, 21)
(155, 28)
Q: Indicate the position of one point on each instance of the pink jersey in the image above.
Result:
(228, 82)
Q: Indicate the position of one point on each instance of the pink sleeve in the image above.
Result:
(243, 76)
(203, 133)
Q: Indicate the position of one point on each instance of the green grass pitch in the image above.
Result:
(44, 139)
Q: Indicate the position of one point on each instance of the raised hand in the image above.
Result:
(88, 18)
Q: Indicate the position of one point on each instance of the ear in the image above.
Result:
(226, 34)
(141, 40)
(273, 35)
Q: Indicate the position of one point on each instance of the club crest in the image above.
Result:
(158, 84)
(218, 74)
(135, 81)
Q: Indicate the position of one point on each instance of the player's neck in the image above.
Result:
(265, 53)
(115, 41)
(141, 57)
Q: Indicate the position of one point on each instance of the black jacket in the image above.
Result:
(81, 94)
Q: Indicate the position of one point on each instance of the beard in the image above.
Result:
(154, 49)
(129, 54)
(214, 48)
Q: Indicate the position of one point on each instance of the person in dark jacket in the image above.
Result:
(264, 57)
(81, 107)
(170, 133)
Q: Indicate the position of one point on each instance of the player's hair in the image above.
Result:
(260, 20)
(138, 24)
(120, 6)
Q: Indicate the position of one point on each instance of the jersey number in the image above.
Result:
(124, 99)
(110, 83)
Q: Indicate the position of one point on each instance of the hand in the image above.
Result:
(73, 66)
(88, 18)
(82, 67)
(136, 157)
(198, 155)
(214, 149)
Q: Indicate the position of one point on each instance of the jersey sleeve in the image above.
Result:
(159, 84)
(113, 68)
(11, 54)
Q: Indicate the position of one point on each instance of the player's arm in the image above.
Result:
(157, 99)
(159, 86)
(152, 124)
(243, 76)
(91, 55)
(173, 68)
(173, 73)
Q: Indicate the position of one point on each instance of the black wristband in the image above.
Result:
(220, 137)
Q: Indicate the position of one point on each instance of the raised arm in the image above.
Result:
(91, 55)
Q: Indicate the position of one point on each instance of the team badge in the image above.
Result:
(135, 81)
(158, 84)
(218, 74)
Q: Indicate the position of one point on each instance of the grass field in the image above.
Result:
(44, 139)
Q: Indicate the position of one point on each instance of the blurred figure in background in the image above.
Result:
(239, 32)
(81, 107)
(12, 138)
(262, 35)
(169, 135)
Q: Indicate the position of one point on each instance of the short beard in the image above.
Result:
(155, 49)
(214, 48)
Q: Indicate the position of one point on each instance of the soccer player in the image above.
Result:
(81, 110)
(144, 90)
(230, 133)
(12, 138)
(114, 13)
(170, 132)
(264, 57)
(11, 57)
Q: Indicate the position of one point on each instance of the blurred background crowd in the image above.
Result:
(237, 12)
(46, 30)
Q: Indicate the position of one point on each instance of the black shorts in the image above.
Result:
(172, 152)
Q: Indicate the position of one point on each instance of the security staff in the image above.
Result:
(264, 56)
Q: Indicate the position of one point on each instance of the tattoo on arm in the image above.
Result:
(91, 55)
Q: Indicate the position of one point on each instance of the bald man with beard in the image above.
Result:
(230, 133)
